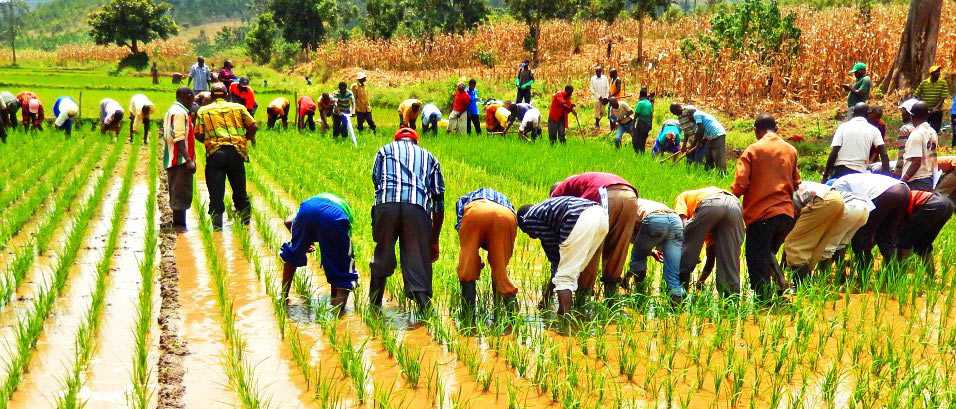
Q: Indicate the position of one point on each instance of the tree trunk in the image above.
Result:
(640, 40)
(134, 47)
(535, 36)
(917, 45)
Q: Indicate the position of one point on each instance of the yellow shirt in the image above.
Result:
(224, 123)
(686, 203)
(361, 98)
(405, 109)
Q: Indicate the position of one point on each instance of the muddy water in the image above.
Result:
(207, 385)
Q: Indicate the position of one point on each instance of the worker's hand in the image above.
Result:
(846, 87)
(191, 166)
(435, 251)
(311, 248)
(657, 255)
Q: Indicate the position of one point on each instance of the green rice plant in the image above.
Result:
(410, 363)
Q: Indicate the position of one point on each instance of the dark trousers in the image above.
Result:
(524, 95)
(307, 120)
(361, 118)
(4, 123)
(180, 185)
(430, 126)
(764, 238)
(275, 118)
(474, 119)
(919, 231)
(719, 216)
(226, 163)
(410, 226)
(556, 132)
(936, 120)
(924, 184)
(883, 226)
(340, 126)
(952, 119)
(841, 171)
(714, 152)
(639, 140)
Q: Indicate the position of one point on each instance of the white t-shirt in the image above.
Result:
(430, 109)
(108, 107)
(68, 108)
(531, 120)
(865, 185)
(922, 144)
(600, 88)
(856, 138)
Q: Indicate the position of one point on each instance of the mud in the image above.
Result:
(172, 347)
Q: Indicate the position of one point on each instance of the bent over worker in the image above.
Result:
(111, 116)
(65, 111)
(408, 112)
(890, 199)
(325, 219)
(661, 228)
(277, 110)
(141, 110)
(714, 212)
(486, 220)
(927, 213)
(306, 114)
(818, 208)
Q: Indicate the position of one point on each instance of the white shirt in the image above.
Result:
(429, 109)
(922, 143)
(67, 108)
(856, 138)
(600, 87)
(108, 107)
(808, 190)
(865, 185)
(531, 120)
(136, 105)
(7, 99)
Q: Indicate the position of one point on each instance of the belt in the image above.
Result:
(660, 213)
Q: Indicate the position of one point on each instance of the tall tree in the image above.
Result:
(533, 12)
(306, 22)
(127, 23)
(261, 38)
(382, 18)
(11, 17)
(917, 45)
(642, 10)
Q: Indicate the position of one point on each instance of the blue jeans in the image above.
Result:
(664, 231)
(621, 130)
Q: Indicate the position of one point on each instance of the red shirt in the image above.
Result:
(461, 101)
(306, 105)
(917, 199)
(560, 108)
(248, 97)
(588, 185)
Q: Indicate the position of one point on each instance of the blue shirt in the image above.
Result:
(200, 77)
(952, 110)
(473, 105)
(403, 172)
(551, 221)
(318, 217)
(712, 128)
(480, 194)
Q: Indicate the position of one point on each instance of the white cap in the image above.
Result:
(908, 105)
(361, 75)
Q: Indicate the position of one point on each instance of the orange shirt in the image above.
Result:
(686, 204)
(767, 176)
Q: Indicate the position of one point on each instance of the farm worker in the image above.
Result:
(225, 128)
(8, 113)
(890, 198)
(615, 89)
(934, 91)
(33, 114)
(491, 123)
(460, 105)
(111, 116)
(500, 118)
(685, 116)
(766, 177)
(920, 151)
(714, 213)
(474, 117)
(906, 117)
(201, 99)
(658, 227)
(179, 155)
(668, 139)
(306, 113)
(325, 219)
(947, 181)
(530, 120)
(65, 110)
(875, 118)
(343, 105)
(199, 75)
(851, 146)
(141, 110)
(276, 110)
(409, 205)
(927, 213)
(486, 220)
(408, 112)
(571, 231)
(24, 98)
(561, 106)
(226, 75)
(600, 90)
(818, 210)
(326, 109)
(243, 94)
(430, 117)
(363, 108)
(623, 116)
(619, 197)
(523, 82)
(709, 143)
(859, 91)
(645, 120)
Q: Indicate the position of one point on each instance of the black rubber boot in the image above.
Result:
(179, 219)
(217, 221)
(469, 298)
(244, 216)
(340, 296)
(376, 291)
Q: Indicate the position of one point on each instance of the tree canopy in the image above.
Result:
(306, 22)
(128, 23)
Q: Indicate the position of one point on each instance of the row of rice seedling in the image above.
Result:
(21, 167)
(30, 325)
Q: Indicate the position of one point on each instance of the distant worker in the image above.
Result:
(875, 118)
(343, 105)
(600, 90)
(528, 118)
(225, 128)
(685, 117)
(712, 212)
(200, 99)
(561, 106)
(496, 117)
(460, 106)
(277, 110)
(32, 112)
(325, 219)
(920, 152)
(709, 138)
(616, 90)
(859, 91)
(24, 98)
(644, 110)
(926, 215)
(199, 76)
(154, 72)
(65, 111)
(226, 74)
(326, 111)
(668, 139)
(141, 110)
(623, 116)
(934, 91)
(890, 198)
(363, 106)
(658, 227)
(243, 94)
(524, 79)
(430, 117)
(111, 116)
(8, 113)
(474, 116)
(179, 155)
(408, 112)
(852, 143)
(306, 113)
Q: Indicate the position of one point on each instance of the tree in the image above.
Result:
(127, 23)
(429, 17)
(11, 17)
(382, 18)
(640, 10)
(305, 22)
(917, 45)
(533, 12)
(261, 38)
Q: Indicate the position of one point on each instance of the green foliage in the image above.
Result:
(11, 20)
(305, 22)
(194, 12)
(651, 8)
(261, 39)
(422, 18)
(285, 54)
(533, 12)
(128, 23)
(228, 37)
(486, 58)
(201, 44)
(382, 18)
(604, 10)
(750, 25)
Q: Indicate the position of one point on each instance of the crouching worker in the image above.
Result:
(927, 213)
(486, 220)
(571, 231)
(65, 111)
(661, 228)
(277, 110)
(111, 116)
(325, 219)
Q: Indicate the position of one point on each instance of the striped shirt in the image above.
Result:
(404, 172)
(687, 125)
(480, 194)
(712, 127)
(551, 221)
(178, 126)
(933, 93)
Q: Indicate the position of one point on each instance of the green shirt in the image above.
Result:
(932, 93)
(340, 203)
(343, 101)
(645, 111)
(863, 86)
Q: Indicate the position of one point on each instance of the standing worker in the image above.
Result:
(934, 91)
(243, 94)
(141, 110)
(712, 212)
(460, 110)
(430, 117)
(363, 106)
(154, 72)
(344, 105)
(325, 219)
(226, 128)
(306, 113)
(766, 177)
(278, 109)
(920, 151)
(179, 155)
(199, 76)
(645, 121)
(474, 117)
(408, 209)
(561, 106)
(658, 226)
(623, 116)
(926, 215)
(226, 74)
(65, 111)
(408, 112)
(616, 90)
(111, 116)
(859, 91)
(600, 90)
(619, 198)
(523, 82)
(890, 198)
(486, 220)
(852, 143)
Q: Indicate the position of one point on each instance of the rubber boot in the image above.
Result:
(217, 221)
(610, 293)
(340, 296)
(469, 298)
(179, 219)
(376, 291)
(244, 216)
(564, 302)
